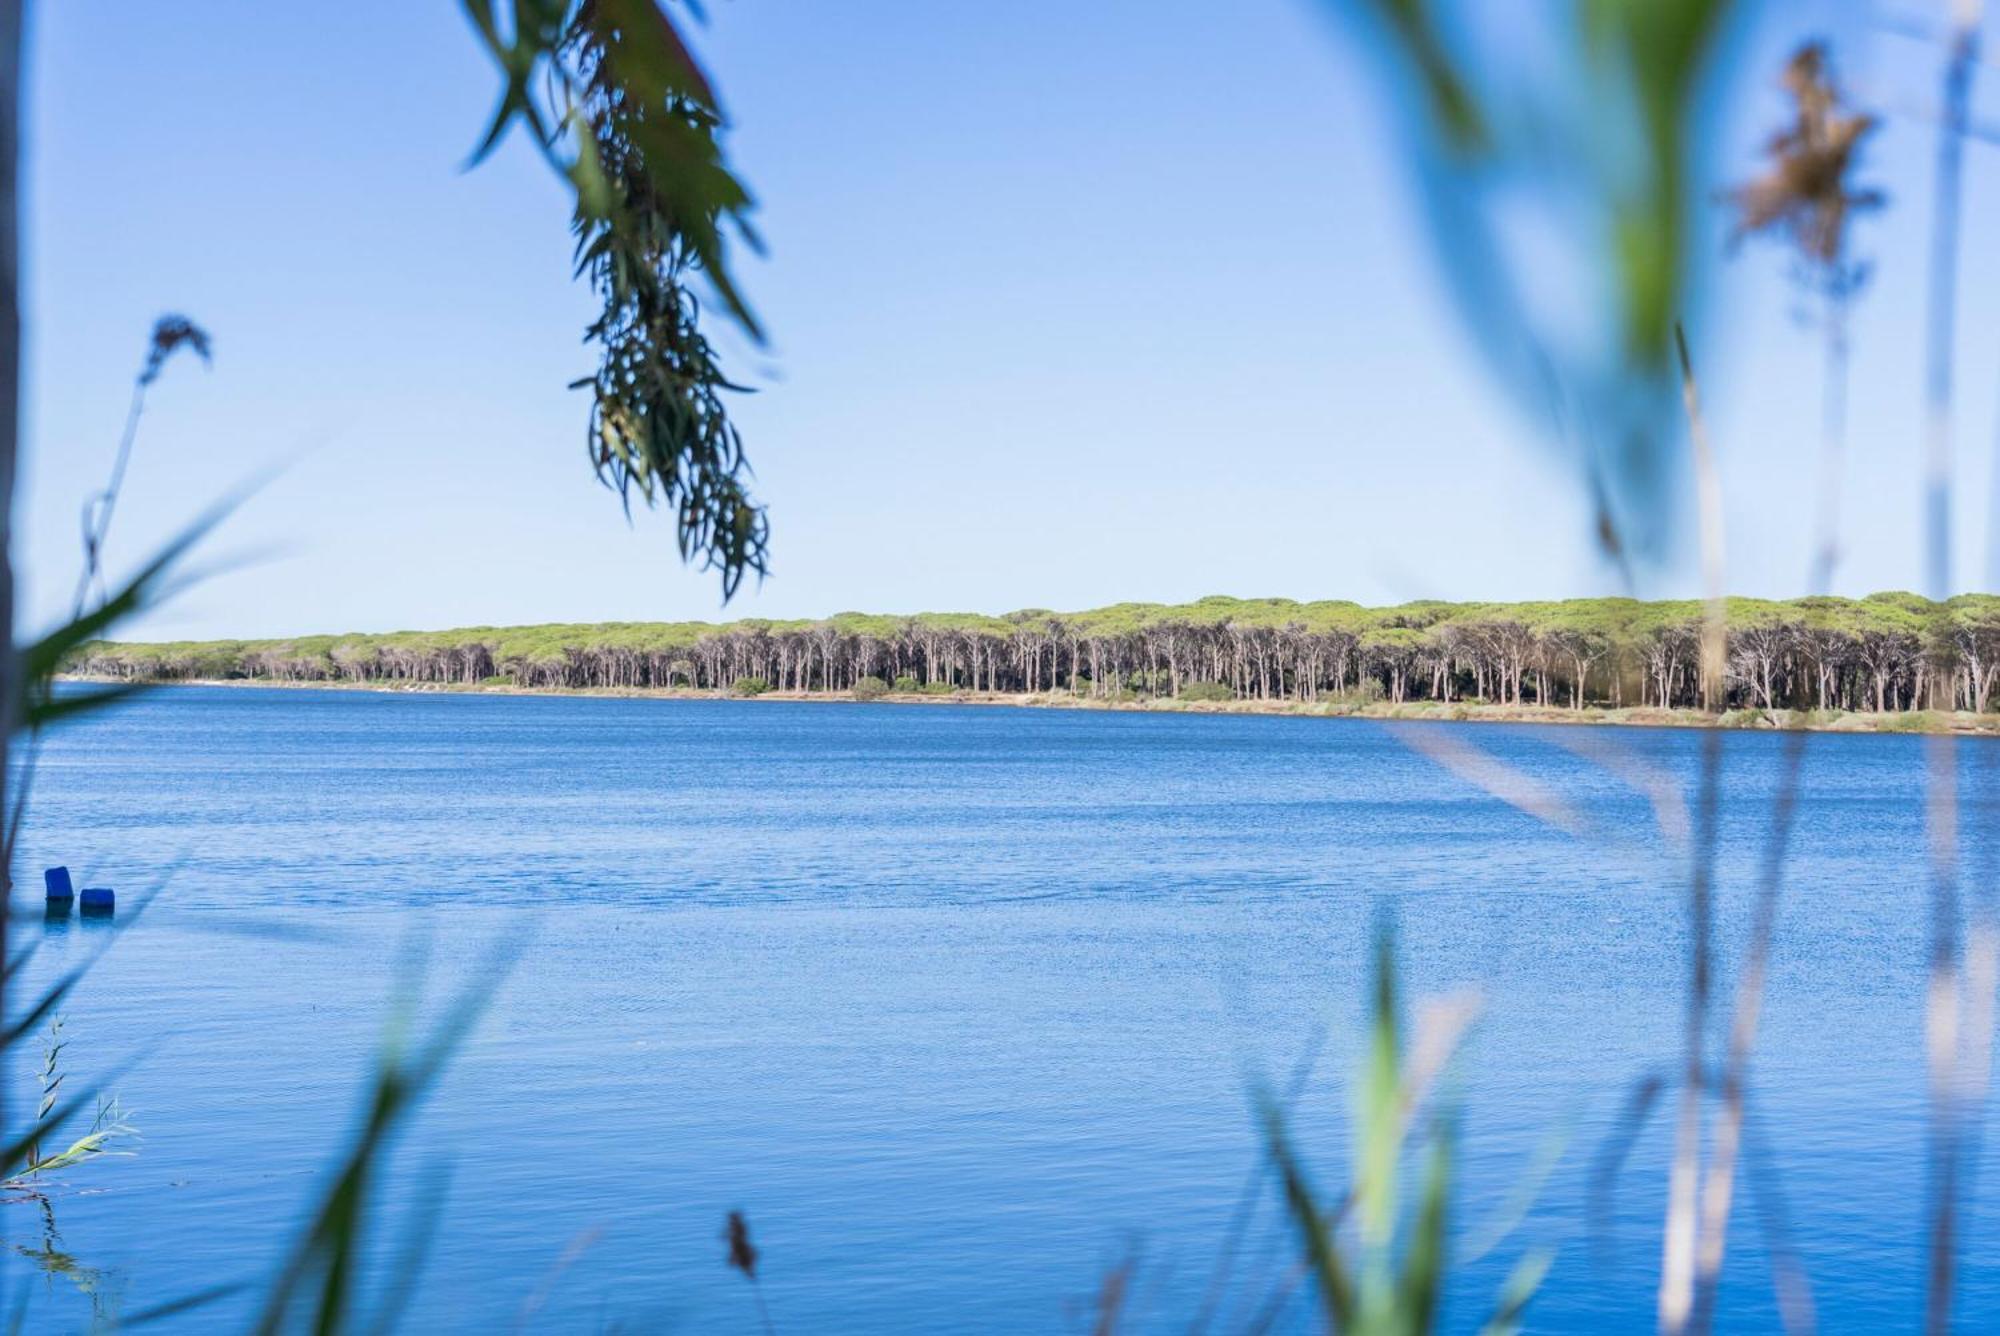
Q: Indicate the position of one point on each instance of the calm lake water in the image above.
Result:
(962, 1007)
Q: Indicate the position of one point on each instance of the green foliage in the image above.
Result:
(1388, 1280)
(630, 120)
(107, 1127)
(750, 686)
(1344, 653)
(1206, 691)
(939, 689)
(1369, 692)
(870, 688)
(22, 1157)
(316, 1288)
(41, 661)
(1600, 131)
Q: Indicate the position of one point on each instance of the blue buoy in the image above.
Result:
(98, 900)
(59, 884)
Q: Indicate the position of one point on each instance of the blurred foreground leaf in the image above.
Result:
(1583, 118)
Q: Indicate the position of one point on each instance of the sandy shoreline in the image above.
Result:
(1959, 723)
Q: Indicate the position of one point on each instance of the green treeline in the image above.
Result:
(1881, 653)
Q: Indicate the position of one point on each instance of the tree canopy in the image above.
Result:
(1888, 651)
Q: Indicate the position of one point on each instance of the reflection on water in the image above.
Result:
(64, 1283)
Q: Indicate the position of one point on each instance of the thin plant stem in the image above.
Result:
(1719, 1190)
(1796, 1309)
(10, 403)
(1677, 1266)
(170, 333)
(98, 510)
(1944, 1005)
(1678, 1249)
(1832, 437)
(1253, 1187)
(1982, 973)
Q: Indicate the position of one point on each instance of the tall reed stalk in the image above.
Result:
(1807, 191)
(1957, 1019)
(1679, 1246)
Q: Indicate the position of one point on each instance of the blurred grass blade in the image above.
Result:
(14, 1154)
(1611, 1155)
(413, 1253)
(1379, 1124)
(23, 956)
(1447, 97)
(1429, 1249)
(19, 1029)
(1483, 770)
(50, 708)
(41, 660)
(173, 1308)
(1522, 1282)
(1322, 1255)
(317, 1281)
(1515, 1209)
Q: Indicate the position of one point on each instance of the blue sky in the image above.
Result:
(1070, 304)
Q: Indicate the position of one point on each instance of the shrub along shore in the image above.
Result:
(1885, 661)
(1353, 707)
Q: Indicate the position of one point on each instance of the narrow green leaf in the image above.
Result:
(1336, 1290)
(1520, 1287)
(1424, 1266)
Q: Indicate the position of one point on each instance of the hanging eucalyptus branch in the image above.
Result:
(619, 107)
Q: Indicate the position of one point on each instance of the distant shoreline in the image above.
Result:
(1958, 723)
